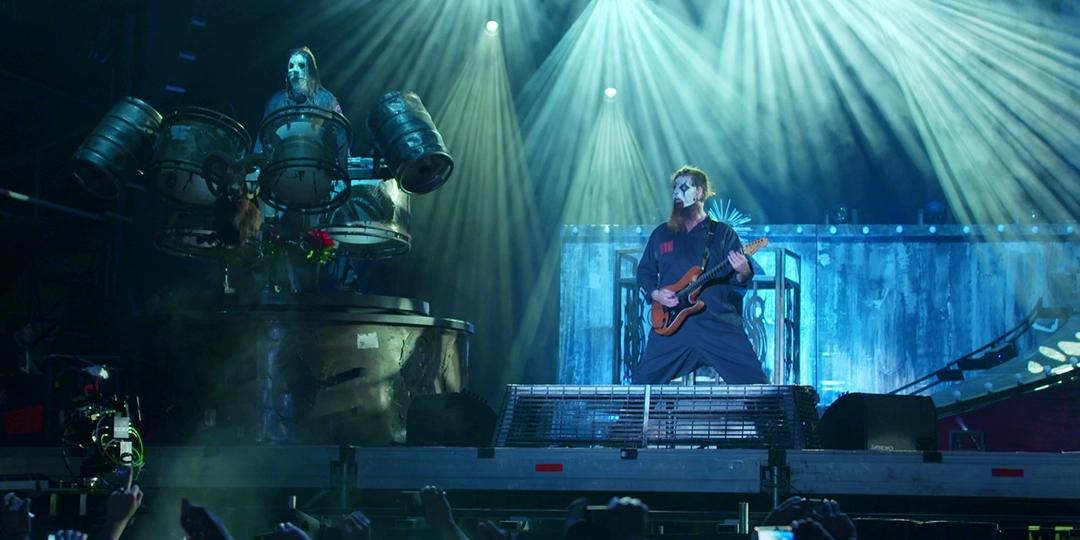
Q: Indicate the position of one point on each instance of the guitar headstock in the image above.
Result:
(755, 246)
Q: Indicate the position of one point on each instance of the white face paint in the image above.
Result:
(299, 73)
(685, 191)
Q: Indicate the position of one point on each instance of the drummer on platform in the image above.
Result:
(302, 85)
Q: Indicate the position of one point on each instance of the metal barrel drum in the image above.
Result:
(307, 151)
(374, 223)
(302, 369)
(410, 144)
(188, 233)
(189, 137)
(121, 142)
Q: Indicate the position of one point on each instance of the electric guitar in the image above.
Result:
(667, 320)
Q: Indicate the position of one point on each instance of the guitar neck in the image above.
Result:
(705, 277)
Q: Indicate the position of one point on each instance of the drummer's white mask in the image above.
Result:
(299, 75)
(686, 192)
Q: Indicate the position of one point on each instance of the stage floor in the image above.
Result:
(687, 489)
(808, 472)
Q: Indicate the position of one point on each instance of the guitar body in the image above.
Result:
(667, 321)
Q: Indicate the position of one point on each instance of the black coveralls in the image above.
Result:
(713, 337)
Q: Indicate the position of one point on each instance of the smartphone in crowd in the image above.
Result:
(774, 533)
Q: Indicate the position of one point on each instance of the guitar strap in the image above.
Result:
(708, 242)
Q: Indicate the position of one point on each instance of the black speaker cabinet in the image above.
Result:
(880, 422)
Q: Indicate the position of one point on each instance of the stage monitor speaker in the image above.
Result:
(451, 419)
(880, 422)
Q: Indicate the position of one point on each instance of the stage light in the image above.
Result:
(492, 28)
(899, 229)
(934, 213)
(1034, 229)
(1062, 369)
(610, 92)
(1071, 348)
(865, 229)
(799, 229)
(832, 229)
(1052, 353)
(839, 214)
(1000, 228)
(767, 229)
(933, 229)
(966, 229)
(1034, 367)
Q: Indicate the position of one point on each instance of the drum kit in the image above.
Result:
(300, 164)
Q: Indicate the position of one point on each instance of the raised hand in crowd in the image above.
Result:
(438, 515)
(788, 511)
(826, 513)
(578, 526)
(488, 530)
(288, 531)
(200, 524)
(810, 529)
(119, 509)
(69, 535)
(838, 525)
(356, 526)
(628, 518)
(16, 517)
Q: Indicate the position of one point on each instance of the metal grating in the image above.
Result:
(660, 416)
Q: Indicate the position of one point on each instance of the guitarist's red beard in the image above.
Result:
(681, 214)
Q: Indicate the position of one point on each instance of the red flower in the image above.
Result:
(319, 239)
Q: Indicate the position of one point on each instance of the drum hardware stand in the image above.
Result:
(776, 475)
(16, 196)
(369, 168)
(343, 474)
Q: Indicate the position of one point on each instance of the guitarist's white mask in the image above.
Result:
(686, 192)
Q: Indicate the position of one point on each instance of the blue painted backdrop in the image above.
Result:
(881, 305)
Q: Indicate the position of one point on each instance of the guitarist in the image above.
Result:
(715, 336)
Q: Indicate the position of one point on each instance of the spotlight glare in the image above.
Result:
(865, 229)
(832, 229)
(610, 92)
(899, 229)
(492, 27)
